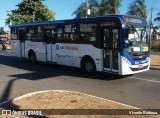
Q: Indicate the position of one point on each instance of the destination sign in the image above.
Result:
(47, 27)
(109, 23)
(133, 20)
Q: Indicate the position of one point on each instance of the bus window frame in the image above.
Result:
(56, 37)
(119, 27)
(86, 41)
(35, 33)
(15, 33)
(77, 32)
(50, 28)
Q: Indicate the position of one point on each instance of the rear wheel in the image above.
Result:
(32, 57)
(89, 66)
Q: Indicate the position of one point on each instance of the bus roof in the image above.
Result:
(128, 19)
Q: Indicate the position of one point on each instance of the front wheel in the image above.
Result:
(89, 66)
(32, 57)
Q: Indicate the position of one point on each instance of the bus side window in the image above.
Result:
(47, 36)
(88, 32)
(35, 33)
(115, 38)
(50, 36)
(30, 33)
(107, 42)
(14, 33)
(71, 33)
(39, 33)
(53, 34)
(59, 34)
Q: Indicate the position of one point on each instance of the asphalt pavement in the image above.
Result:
(19, 76)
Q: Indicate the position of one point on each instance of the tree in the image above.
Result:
(154, 34)
(81, 10)
(30, 10)
(138, 8)
(113, 6)
(98, 8)
(2, 32)
(157, 18)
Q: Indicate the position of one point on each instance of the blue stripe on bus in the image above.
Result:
(134, 62)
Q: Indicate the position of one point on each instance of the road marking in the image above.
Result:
(145, 79)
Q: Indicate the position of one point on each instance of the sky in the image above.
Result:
(65, 8)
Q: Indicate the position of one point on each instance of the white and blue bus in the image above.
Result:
(115, 43)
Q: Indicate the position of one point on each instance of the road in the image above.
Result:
(18, 77)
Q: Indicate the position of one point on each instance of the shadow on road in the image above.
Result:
(42, 71)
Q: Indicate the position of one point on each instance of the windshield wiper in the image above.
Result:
(135, 30)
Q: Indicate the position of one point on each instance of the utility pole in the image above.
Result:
(150, 26)
(87, 9)
(34, 15)
(151, 18)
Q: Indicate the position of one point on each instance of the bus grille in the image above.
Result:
(137, 69)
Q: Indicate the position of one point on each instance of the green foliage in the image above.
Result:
(154, 34)
(26, 9)
(98, 8)
(113, 6)
(138, 8)
(2, 32)
(158, 17)
(81, 10)
(155, 44)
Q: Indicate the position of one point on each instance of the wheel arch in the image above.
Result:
(85, 58)
(29, 52)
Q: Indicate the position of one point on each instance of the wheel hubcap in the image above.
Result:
(33, 58)
(89, 67)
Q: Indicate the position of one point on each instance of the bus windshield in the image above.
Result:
(136, 39)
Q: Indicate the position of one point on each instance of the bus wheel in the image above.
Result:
(32, 57)
(89, 66)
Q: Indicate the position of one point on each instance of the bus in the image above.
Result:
(116, 44)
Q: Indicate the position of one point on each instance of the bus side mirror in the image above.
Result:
(126, 33)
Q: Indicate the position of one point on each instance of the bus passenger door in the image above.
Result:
(110, 52)
(22, 38)
(50, 45)
(115, 49)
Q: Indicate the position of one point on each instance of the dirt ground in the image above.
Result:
(155, 62)
(60, 103)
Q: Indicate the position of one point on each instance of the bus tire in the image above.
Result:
(32, 57)
(88, 66)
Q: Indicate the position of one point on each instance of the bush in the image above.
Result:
(155, 44)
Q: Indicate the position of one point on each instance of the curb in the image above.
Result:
(33, 93)
(152, 68)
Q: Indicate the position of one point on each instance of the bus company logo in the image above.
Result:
(57, 47)
(71, 48)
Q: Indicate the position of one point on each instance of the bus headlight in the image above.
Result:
(126, 60)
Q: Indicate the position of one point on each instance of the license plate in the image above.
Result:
(140, 66)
